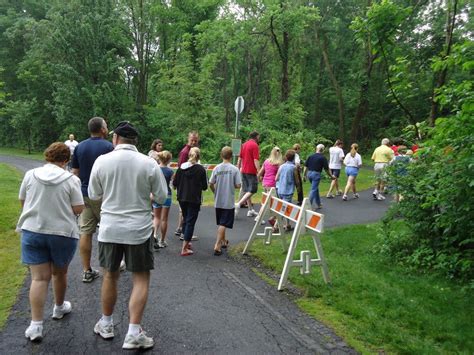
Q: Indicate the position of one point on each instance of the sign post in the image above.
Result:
(236, 143)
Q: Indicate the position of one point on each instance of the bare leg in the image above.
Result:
(156, 221)
(109, 292)
(59, 284)
(139, 296)
(245, 197)
(220, 238)
(40, 277)
(164, 223)
(85, 249)
(353, 182)
(348, 186)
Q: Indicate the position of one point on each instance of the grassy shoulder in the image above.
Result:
(12, 272)
(22, 153)
(374, 304)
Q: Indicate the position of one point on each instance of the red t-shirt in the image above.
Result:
(248, 153)
(183, 155)
(395, 149)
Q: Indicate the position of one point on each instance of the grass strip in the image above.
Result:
(375, 304)
(12, 272)
(22, 153)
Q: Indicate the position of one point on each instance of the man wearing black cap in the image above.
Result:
(83, 159)
(124, 179)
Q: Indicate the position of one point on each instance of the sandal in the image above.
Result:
(217, 252)
(225, 244)
(187, 253)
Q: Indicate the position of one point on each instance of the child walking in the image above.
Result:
(225, 178)
(161, 212)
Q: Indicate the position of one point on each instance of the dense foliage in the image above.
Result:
(438, 197)
(353, 69)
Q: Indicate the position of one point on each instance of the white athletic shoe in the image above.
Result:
(60, 312)
(356, 195)
(140, 341)
(380, 197)
(105, 331)
(123, 266)
(344, 198)
(162, 244)
(252, 213)
(34, 332)
(374, 194)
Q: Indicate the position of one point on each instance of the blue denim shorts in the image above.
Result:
(167, 203)
(352, 171)
(38, 248)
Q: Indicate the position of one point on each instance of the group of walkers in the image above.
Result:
(115, 185)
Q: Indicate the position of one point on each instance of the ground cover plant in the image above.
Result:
(12, 272)
(375, 304)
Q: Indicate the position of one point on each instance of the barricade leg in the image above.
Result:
(324, 266)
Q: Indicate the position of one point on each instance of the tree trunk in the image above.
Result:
(319, 89)
(322, 42)
(225, 95)
(363, 105)
(441, 78)
(283, 50)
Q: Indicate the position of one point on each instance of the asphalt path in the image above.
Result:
(197, 304)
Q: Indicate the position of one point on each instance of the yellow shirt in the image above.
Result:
(382, 154)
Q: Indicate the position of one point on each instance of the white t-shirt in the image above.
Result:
(124, 179)
(297, 159)
(336, 155)
(49, 192)
(225, 176)
(72, 145)
(354, 161)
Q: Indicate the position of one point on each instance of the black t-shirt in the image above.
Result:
(317, 162)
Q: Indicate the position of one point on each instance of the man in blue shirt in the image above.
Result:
(83, 159)
(313, 169)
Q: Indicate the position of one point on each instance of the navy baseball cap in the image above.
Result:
(125, 129)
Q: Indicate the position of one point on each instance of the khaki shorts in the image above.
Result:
(138, 258)
(379, 170)
(90, 216)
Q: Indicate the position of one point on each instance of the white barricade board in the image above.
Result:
(306, 221)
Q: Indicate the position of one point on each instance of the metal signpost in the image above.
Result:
(236, 143)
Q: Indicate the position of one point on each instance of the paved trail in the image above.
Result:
(197, 304)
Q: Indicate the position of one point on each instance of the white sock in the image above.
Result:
(36, 323)
(60, 307)
(107, 319)
(376, 191)
(134, 329)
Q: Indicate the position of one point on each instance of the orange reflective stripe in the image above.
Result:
(278, 206)
(264, 198)
(313, 222)
(288, 210)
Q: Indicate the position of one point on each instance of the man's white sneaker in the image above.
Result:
(60, 312)
(123, 266)
(236, 209)
(374, 194)
(356, 195)
(329, 196)
(140, 341)
(344, 198)
(380, 197)
(252, 213)
(34, 332)
(106, 330)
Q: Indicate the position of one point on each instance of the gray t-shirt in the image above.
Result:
(225, 176)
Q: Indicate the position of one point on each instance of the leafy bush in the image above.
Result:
(437, 191)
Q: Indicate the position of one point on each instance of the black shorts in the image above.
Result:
(138, 258)
(336, 172)
(225, 217)
(249, 183)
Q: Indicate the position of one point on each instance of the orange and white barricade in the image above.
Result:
(306, 221)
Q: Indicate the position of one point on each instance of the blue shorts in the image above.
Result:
(336, 172)
(38, 248)
(167, 203)
(225, 217)
(352, 171)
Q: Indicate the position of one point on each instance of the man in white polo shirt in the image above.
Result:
(124, 179)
